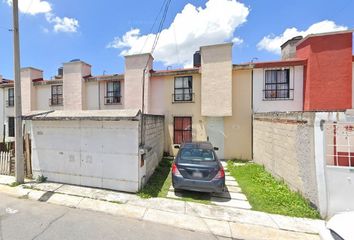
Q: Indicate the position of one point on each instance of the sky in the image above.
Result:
(102, 32)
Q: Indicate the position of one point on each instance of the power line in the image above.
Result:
(160, 26)
(153, 25)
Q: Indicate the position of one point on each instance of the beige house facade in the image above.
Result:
(209, 102)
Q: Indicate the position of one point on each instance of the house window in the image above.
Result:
(182, 130)
(10, 97)
(277, 84)
(183, 89)
(113, 95)
(57, 95)
(11, 127)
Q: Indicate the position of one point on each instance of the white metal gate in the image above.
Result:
(339, 156)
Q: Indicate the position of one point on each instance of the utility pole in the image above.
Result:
(19, 160)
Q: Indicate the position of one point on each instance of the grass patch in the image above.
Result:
(236, 160)
(159, 182)
(267, 194)
(14, 184)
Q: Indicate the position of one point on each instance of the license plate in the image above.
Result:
(197, 174)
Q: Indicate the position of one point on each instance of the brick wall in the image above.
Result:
(284, 144)
(154, 142)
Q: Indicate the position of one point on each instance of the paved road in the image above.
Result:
(22, 219)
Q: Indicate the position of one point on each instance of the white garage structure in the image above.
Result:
(104, 148)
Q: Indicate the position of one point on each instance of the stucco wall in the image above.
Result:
(296, 83)
(284, 144)
(28, 92)
(134, 69)
(43, 94)
(238, 127)
(162, 103)
(154, 142)
(216, 89)
(328, 84)
(73, 85)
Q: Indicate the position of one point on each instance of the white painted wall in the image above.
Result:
(8, 112)
(2, 112)
(296, 81)
(92, 153)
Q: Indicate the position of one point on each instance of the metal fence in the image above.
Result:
(340, 144)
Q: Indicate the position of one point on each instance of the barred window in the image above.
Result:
(183, 89)
(182, 128)
(57, 95)
(113, 95)
(277, 84)
(10, 97)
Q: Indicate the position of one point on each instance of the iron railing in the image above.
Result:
(111, 100)
(183, 97)
(278, 94)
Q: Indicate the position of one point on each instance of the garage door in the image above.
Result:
(90, 153)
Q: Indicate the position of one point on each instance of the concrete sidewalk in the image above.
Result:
(221, 221)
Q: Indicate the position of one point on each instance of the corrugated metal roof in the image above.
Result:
(97, 115)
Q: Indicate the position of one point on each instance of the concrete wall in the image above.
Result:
(95, 96)
(328, 83)
(43, 94)
(73, 85)
(284, 144)
(296, 83)
(134, 69)
(28, 92)
(162, 103)
(216, 88)
(93, 153)
(238, 127)
(154, 143)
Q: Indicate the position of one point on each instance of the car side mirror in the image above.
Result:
(216, 148)
(176, 146)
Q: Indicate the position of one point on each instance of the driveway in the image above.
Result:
(233, 197)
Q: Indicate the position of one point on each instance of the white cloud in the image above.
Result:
(64, 24)
(237, 41)
(191, 28)
(272, 43)
(32, 7)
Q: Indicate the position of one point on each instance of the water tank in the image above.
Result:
(75, 60)
(197, 59)
(60, 71)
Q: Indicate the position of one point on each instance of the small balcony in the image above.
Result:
(112, 100)
(57, 101)
(183, 98)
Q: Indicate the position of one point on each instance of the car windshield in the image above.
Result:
(196, 154)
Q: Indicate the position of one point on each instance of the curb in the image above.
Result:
(219, 221)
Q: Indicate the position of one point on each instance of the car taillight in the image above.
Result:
(220, 174)
(175, 170)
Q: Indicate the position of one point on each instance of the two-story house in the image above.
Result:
(210, 101)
